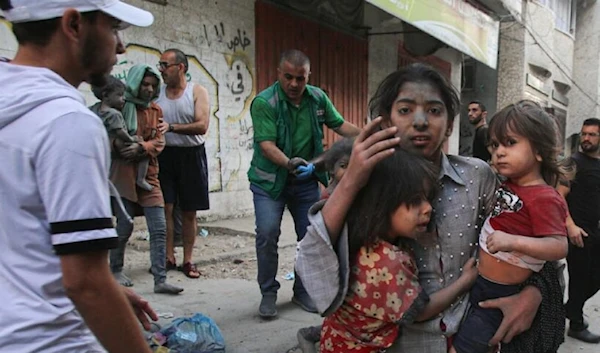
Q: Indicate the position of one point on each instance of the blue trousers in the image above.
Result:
(298, 197)
(157, 227)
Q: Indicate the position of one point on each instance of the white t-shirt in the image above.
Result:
(54, 200)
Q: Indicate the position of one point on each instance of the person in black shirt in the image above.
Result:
(583, 197)
(477, 115)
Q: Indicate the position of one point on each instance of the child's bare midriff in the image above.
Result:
(500, 271)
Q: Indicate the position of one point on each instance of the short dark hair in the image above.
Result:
(40, 32)
(382, 101)
(481, 105)
(592, 121)
(294, 57)
(180, 57)
(341, 148)
(112, 84)
(528, 119)
(402, 178)
(5, 5)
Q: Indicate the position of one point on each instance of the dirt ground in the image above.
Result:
(223, 253)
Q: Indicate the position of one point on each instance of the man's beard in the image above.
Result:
(589, 148)
(476, 120)
(89, 60)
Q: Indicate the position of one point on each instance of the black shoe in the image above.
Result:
(268, 308)
(578, 325)
(584, 335)
(304, 301)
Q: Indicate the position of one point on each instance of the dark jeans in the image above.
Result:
(298, 197)
(584, 274)
(481, 324)
(157, 227)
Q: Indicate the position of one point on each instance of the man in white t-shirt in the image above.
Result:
(58, 294)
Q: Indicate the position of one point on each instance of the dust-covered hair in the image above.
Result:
(112, 84)
(382, 101)
(402, 178)
(340, 149)
(528, 119)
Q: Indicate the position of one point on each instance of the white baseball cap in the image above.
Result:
(36, 10)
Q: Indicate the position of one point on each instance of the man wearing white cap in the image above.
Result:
(58, 294)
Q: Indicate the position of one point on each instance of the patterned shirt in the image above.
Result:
(385, 293)
(465, 198)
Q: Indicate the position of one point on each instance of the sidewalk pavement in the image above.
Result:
(233, 303)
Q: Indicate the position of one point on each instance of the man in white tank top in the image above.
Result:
(183, 168)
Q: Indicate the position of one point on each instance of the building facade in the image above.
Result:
(234, 45)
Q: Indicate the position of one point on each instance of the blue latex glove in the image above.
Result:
(305, 172)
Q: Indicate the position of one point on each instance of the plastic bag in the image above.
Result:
(196, 334)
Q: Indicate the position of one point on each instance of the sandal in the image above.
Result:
(168, 266)
(190, 270)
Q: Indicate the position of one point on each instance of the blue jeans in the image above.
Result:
(157, 227)
(298, 197)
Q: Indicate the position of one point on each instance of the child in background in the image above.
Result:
(389, 213)
(527, 225)
(109, 108)
(334, 161)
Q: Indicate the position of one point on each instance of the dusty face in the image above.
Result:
(169, 69)
(99, 49)
(589, 138)
(475, 114)
(293, 80)
(421, 117)
(339, 168)
(115, 99)
(516, 159)
(410, 221)
(148, 88)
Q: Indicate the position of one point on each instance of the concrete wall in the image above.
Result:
(586, 71)
(218, 35)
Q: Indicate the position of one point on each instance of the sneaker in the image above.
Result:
(304, 301)
(308, 337)
(268, 308)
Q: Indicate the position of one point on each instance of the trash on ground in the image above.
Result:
(203, 233)
(289, 276)
(238, 261)
(167, 315)
(198, 333)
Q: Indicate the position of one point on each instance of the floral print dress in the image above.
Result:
(384, 294)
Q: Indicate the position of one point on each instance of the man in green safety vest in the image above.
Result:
(288, 120)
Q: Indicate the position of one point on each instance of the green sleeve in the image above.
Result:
(333, 119)
(264, 121)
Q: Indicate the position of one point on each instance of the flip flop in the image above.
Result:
(190, 270)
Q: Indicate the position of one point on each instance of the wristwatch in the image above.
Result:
(171, 128)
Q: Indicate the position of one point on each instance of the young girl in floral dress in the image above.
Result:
(385, 219)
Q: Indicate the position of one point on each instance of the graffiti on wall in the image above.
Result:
(231, 89)
(234, 39)
(228, 76)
